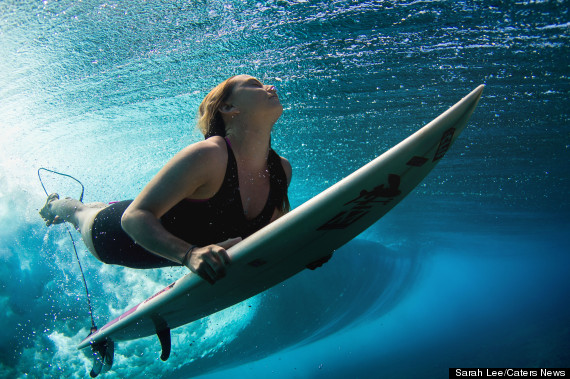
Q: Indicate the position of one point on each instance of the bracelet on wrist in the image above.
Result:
(188, 252)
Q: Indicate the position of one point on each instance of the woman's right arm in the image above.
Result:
(195, 172)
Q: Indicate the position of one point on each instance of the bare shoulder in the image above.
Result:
(287, 168)
(208, 154)
(204, 163)
(195, 172)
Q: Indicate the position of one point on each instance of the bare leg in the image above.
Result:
(80, 215)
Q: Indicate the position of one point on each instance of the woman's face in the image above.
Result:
(253, 98)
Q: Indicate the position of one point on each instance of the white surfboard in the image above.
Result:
(287, 246)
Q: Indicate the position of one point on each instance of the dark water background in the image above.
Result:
(471, 270)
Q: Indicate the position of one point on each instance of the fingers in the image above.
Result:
(213, 266)
(229, 243)
(209, 262)
(224, 257)
(223, 254)
(206, 273)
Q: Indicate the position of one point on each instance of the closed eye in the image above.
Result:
(255, 83)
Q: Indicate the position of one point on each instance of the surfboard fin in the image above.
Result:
(165, 342)
(163, 333)
(103, 353)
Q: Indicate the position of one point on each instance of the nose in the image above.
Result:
(272, 89)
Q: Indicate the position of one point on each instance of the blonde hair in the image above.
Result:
(210, 121)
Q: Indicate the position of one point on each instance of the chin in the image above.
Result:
(279, 109)
(278, 114)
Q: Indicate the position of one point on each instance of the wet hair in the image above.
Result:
(210, 121)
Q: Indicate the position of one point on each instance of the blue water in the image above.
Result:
(471, 270)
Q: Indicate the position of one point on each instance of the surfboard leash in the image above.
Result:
(93, 326)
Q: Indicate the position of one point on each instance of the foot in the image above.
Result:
(46, 213)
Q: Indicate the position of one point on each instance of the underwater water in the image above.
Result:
(471, 270)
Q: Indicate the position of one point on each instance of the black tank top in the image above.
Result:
(196, 222)
(222, 216)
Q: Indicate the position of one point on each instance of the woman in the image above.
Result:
(204, 200)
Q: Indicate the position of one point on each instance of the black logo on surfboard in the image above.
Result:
(363, 204)
(444, 144)
(417, 161)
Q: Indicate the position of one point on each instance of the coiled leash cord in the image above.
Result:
(93, 327)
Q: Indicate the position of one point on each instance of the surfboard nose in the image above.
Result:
(477, 92)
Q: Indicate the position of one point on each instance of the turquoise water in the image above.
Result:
(471, 270)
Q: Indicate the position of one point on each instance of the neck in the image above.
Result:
(250, 146)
